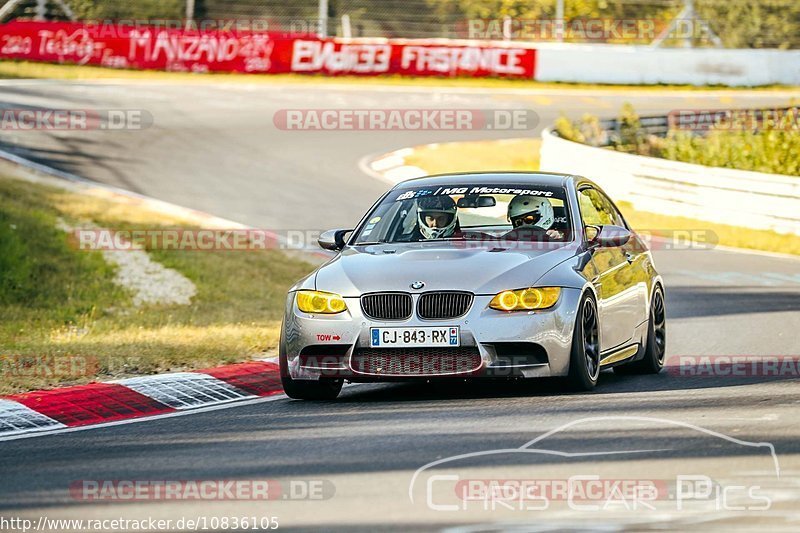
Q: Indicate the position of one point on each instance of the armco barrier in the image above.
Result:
(726, 196)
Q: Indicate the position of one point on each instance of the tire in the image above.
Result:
(655, 345)
(323, 389)
(584, 362)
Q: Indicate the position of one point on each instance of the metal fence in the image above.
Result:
(729, 23)
(698, 122)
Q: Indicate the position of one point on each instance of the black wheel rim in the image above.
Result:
(591, 339)
(659, 317)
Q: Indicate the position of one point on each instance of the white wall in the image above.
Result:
(625, 64)
(722, 195)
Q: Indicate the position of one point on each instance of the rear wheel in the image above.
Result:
(655, 346)
(299, 389)
(584, 364)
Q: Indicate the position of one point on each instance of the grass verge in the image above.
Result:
(10, 69)
(523, 154)
(507, 154)
(63, 320)
(725, 235)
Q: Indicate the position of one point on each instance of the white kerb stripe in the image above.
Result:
(185, 390)
(16, 418)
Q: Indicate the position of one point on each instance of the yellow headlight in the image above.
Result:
(526, 299)
(317, 302)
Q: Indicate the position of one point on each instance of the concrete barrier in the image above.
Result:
(608, 63)
(726, 196)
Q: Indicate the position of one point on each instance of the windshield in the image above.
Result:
(521, 212)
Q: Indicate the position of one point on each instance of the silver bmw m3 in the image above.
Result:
(481, 275)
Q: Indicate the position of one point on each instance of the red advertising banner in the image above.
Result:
(146, 47)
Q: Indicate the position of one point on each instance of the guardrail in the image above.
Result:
(725, 196)
(697, 121)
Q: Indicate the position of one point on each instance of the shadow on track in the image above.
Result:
(610, 383)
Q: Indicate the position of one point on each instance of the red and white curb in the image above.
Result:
(136, 398)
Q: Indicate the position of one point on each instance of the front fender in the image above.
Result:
(573, 273)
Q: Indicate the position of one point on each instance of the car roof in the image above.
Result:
(547, 179)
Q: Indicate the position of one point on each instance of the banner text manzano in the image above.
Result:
(156, 47)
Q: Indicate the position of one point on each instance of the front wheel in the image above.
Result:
(299, 389)
(584, 363)
(655, 347)
(324, 389)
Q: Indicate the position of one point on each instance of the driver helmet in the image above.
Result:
(527, 210)
(441, 208)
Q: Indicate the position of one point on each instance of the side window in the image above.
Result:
(595, 209)
(616, 216)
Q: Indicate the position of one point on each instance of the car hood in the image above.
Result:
(441, 266)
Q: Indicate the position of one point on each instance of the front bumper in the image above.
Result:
(336, 339)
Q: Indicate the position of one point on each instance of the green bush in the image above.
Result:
(738, 24)
(775, 152)
(775, 148)
(585, 131)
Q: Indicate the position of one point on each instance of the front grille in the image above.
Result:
(443, 305)
(416, 361)
(387, 305)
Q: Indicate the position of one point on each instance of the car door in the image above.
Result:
(636, 275)
(612, 280)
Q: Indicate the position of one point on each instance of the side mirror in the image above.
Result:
(607, 236)
(333, 239)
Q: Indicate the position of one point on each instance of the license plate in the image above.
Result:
(428, 337)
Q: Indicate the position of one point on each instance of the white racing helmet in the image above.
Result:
(527, 210)
(436, 206)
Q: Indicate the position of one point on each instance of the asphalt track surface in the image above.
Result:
(214, 147)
